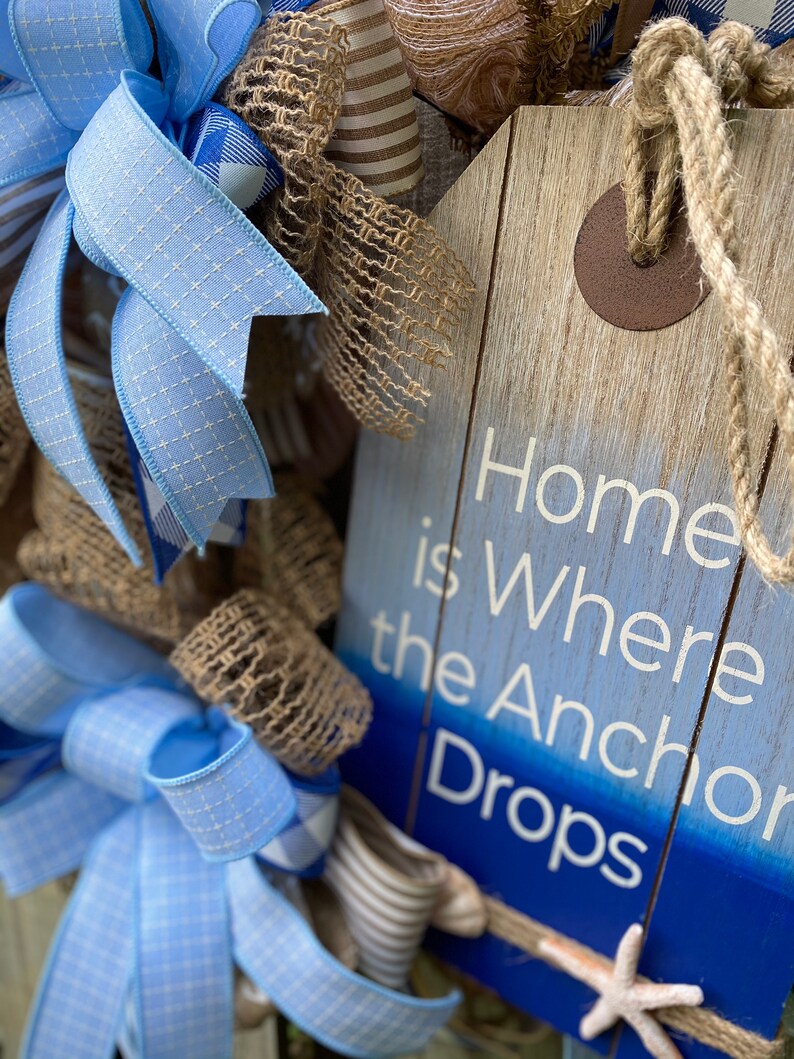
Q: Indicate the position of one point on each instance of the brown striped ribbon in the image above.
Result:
(377, 136)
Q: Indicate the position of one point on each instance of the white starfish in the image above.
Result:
(621, 996)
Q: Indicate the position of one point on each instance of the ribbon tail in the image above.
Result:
(79, 1002)
(46, 830)
(192, 432)
(173, 235)
(37, 364)
(183, 979)
(347, 1013)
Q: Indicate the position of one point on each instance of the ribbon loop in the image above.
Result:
(55, 655)
(200, 43)
(110, 739)
(193, 434)
(32, 142)
(277, 950)
(173, 235)
(74, 52)
(37, 364)
(231, 796)
(47, 829)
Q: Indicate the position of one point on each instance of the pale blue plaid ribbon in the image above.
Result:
(163, 806)
(222, 147)
(197, 270)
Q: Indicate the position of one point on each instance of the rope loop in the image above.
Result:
(676, 126)
(658, 50)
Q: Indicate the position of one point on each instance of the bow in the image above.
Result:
(141, 208)
(172, 813)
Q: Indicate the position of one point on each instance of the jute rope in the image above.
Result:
(701, 1024)
(680, 84)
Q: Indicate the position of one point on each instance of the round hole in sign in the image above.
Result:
(627, 295)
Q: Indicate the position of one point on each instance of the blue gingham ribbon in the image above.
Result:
(172, 813)
(139, 207)
(772, 20)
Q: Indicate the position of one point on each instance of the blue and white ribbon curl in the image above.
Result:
(172, 814)
(168, 222)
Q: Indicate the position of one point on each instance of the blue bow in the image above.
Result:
(171, 812)
(139, 207)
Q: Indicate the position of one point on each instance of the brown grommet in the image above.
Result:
(627, 295)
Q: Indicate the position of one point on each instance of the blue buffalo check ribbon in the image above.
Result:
(157, 177)
(175, 815)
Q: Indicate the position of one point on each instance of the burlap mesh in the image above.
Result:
(554, 28)
(393, 288)
(14, 437)
(293, 551)
(253, 654)
(74, 554)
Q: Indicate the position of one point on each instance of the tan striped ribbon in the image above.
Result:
(377, 135)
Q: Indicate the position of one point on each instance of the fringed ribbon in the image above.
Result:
(171, 813)
(197, 270)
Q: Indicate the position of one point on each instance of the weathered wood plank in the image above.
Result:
(581, 844)
(26, 928)
(393, 498)
(728, 880)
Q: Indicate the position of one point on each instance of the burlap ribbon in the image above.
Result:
(394, 290)
(256, 656)
(293, 551)
(73, 553)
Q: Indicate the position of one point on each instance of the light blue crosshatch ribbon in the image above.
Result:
(197, 269)
(172, 814)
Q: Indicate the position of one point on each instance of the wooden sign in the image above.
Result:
(582, 690)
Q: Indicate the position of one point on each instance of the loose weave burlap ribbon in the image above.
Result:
(73, 553)
(293, 551)
(480, 59)
(393, 288)
(256, 656)
(681, 82)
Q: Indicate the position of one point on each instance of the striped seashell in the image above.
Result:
(392, 888)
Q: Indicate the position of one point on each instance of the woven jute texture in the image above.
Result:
(258, 658)
(553, 31)
(467, 58)
(73, 553)
(676, 126)
(292, 550)
(393, 289)
(480, 59)
(14, 437)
